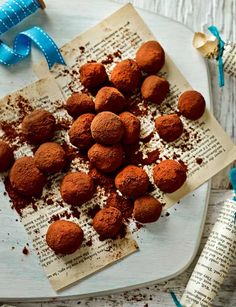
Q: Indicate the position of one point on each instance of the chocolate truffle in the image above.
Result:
(169, 175)
(39, 126)
(77, 188)
(132, 128)
(191, 105)
(169, 127)
(109, 99)
(92, 75)
(64, 237)
(50, 158)
(26, 178)
(6, 156)
(132, 181)
(150, 57)
(126, 76)
(108, 222)
(79, 103)
(80, 133)
(106, 158)
(147, 209)
(155, 89)
(124, 205)
(107, 128)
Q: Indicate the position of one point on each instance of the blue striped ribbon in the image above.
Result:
(11, 13)
(215, 32)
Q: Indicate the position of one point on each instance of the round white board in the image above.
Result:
(166, 247)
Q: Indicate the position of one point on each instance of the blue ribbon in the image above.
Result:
(232, 178)
(22, 48)
(176, 301)
(221, 44)
(11, 13)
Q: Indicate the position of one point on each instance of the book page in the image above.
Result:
(215, 260)
(204, 148)
(36, 217)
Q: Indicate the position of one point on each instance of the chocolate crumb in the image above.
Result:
(167, 214)
(89, 242)
(25, 251)
(199, 161)
(93, 211)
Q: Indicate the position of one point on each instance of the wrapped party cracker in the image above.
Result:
(215, 49)
(216, 258)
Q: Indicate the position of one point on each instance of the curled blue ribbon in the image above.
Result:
(221, 44)
(11, 13)
(232, 178)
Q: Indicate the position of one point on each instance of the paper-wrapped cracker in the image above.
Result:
(207, 45)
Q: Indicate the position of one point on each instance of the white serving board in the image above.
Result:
(166, 247)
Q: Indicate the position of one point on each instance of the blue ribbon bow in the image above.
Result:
(221, 44)
(11, 13)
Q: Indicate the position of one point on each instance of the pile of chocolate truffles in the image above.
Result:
(102, 127)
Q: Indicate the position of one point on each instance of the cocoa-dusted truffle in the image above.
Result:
(150, 57)
(106, 158)
(79, 103)
(109, 99)
(147, 209)
(169, 127)
(126, 76)
(39, 126)
(155, 89)
(132, 128)
(77, 188)
(132, 181)
(80, 133)
(124, 205)
(107, 128)
(64, 237)
(108, 222)
(6, 156)
(50, 158)
(169, 175)
(92, 75)
(26, 178)
(191, 104)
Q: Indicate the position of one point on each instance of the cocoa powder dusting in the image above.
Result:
(19, 201)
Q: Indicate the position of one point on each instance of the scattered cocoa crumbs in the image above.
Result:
(167, 214)
(75, 212)
(13, 247)
(34, 207)
(108, 60)
(82, 49)
(49, 201)
(117, 54)
(25, 251)
(54, 218)
(89, 242)
(19, 202)
(199, 161)
(63, 124)
(93, 211)
(147, 138)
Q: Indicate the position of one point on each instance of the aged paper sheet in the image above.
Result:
(204, 147)
(94, 254)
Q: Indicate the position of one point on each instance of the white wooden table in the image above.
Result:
(196, 14)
